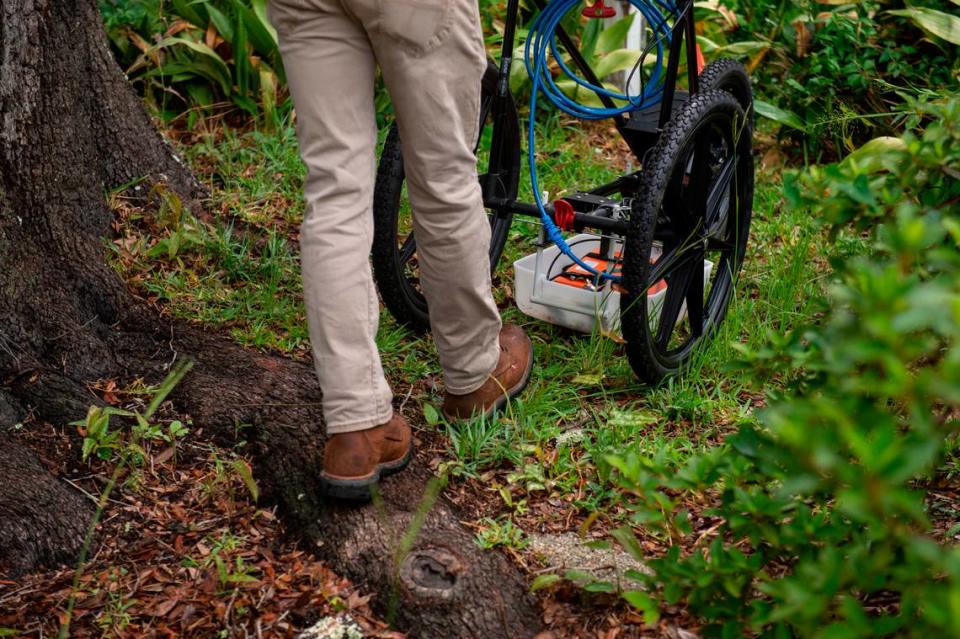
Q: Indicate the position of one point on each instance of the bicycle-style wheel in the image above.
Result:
(731, 76)
(394, 253)
(693, 210)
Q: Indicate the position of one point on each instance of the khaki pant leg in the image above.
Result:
(432, 56)
(330, 69)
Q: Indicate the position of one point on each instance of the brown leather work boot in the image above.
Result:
(353, 462)
(507, 380)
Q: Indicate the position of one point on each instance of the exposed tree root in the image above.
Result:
(71, 128)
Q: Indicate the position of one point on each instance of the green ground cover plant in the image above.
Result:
(820, 518)
(834, 74)
(190, 57)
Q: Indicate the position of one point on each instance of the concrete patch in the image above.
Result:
(566, 551)
(339, 627)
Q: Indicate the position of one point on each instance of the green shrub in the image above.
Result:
(195, 55)
(821, 523)
(836, 74)
(126, 21)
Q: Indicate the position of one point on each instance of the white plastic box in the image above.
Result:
(579, 309)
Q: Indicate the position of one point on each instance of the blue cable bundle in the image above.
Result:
(541, 43)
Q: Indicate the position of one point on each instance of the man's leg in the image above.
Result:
(330, 69)
(432, 58)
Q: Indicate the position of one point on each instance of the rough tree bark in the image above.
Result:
(70, 129)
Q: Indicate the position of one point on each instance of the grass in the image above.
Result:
(239, 271)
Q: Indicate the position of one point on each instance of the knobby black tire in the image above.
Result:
(726, 74)
(400, 295)
(648, 363)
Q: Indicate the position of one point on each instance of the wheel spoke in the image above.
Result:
(721, 244)
(408, 248)
(674, 207)
(677, 286)
(695, 296)
(669, 261)
(715, 218)
(698, 183)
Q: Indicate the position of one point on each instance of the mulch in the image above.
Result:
(183, 550)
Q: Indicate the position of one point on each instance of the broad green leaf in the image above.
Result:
(518, 71)
(200, 94)
(788, 118)
(138, 451)
(544, 581)
(588, 38)
(177, 429)
(430, 414)
(242, 468)
(940, 24)
(268, 94)
(193, 12)
(578, 93)
(636, 575)
(111, 410)
(645, 604)
(615, 35)
(239, 577)
(870, 157)
(744, 48)
(173, 245)
(220, 71)
(241, 59)
(600, 586)
(633, 419)
(261, 35)
(630, 543)
(598, 544)
(588, 379)
(260, 10)
(199, 69)
(707, 45)
(221, 23)
(101, 421)
(92, 412)
(578, 576)
(619, 60)
(245, 103)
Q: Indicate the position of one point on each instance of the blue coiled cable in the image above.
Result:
(541, 43)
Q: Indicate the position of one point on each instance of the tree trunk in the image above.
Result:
(32, 498)
(70, 129)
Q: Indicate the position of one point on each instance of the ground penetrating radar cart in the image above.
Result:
(657, 250)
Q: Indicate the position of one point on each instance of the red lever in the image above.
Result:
(563, 215)
(598, 10)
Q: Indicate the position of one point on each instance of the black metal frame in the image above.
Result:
(640, 131)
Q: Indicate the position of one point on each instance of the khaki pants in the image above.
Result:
(432, 58)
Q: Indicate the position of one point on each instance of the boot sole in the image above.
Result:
(502, 402)
(359, 489)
